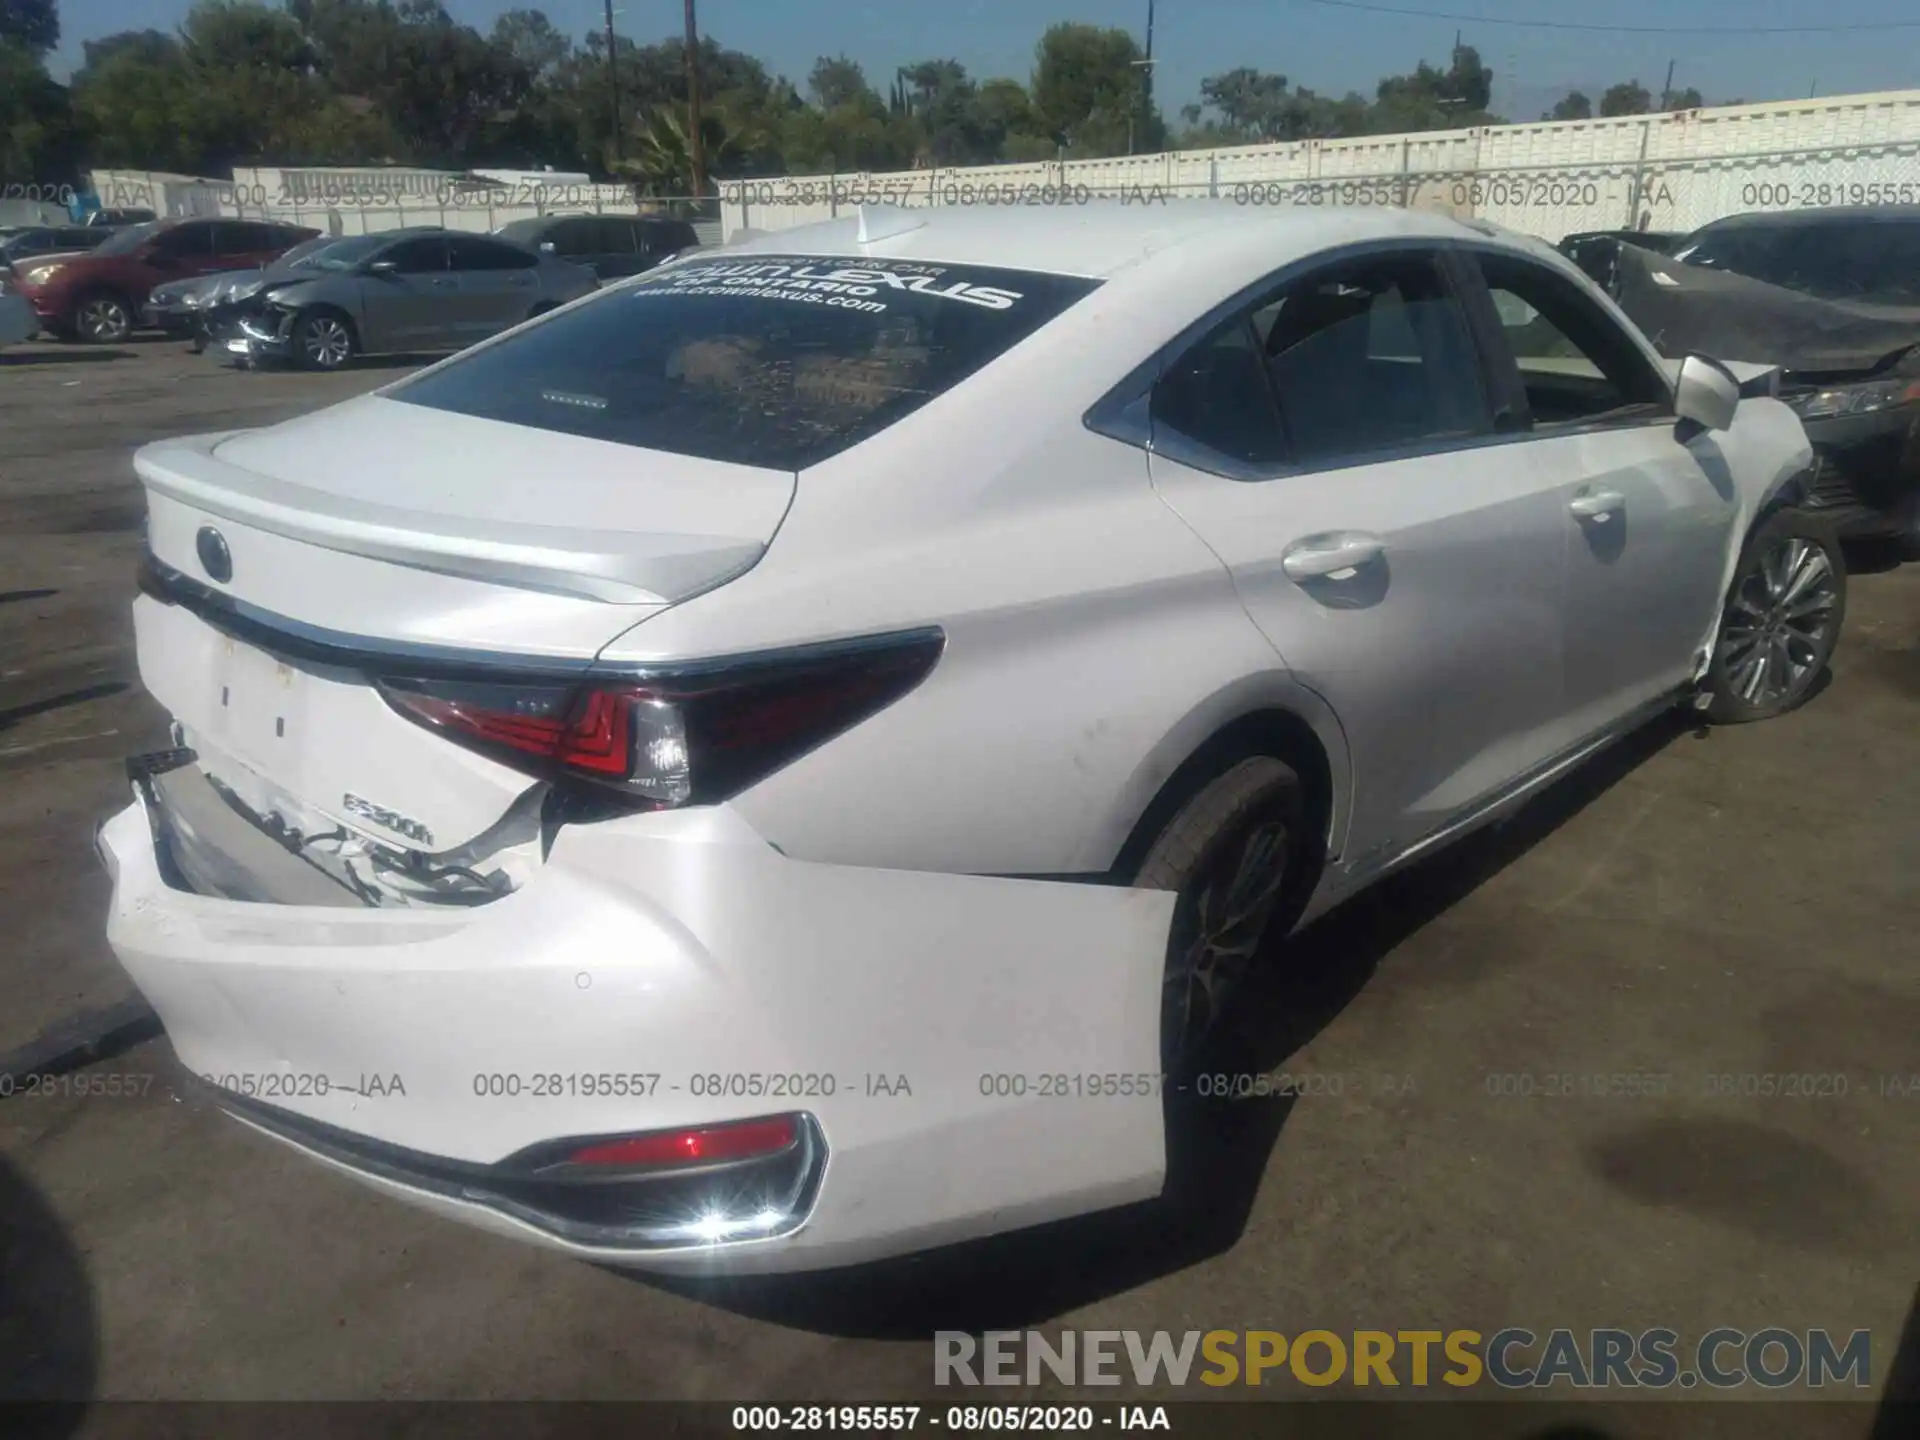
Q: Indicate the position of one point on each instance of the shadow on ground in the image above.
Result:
(25, 359)
(49, 1337)
(1216, 1152)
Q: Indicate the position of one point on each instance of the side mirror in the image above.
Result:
(384, 267)
(1707, 393)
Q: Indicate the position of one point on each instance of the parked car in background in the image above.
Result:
(114, 219)
(200, 309)
(951, 643)
(1832, 297)
(31, 242)
(99, 296)
(612, 246)
(401, 291)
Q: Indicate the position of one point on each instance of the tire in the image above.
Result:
(541, 309)
(323, 340)
(1781, 620)
(102, 318)
(1241, 835)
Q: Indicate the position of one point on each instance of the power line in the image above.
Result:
(1623, 29)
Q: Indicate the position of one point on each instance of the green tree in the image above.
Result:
(528, 39)
(1087, 92)
(40, 136)
(1687, 99)
(1628, 98)
(1574, 106)
(835, 81)
(1434, 99)
(32, 25)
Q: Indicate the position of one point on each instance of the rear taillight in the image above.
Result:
(686, 737)
(701, 1145)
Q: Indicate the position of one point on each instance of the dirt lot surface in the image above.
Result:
(1703, 906)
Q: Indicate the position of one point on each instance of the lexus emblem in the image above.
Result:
(215, 558)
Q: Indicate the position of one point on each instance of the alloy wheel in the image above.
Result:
(1221, 926)
(325, 342)
(1778, 625)
(103, 320)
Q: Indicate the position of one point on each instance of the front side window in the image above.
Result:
(183, 242)
(1575, 364)
(774, 361)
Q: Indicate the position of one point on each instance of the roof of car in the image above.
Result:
(1101, 238)
(1827, 215)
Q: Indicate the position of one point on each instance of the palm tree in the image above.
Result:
(662, 162)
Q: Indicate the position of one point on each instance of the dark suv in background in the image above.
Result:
(98, 296)
(612, 246)
(1832, 296)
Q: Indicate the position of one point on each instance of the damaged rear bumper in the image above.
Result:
(673, 970)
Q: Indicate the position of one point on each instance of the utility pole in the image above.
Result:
(613, 86)
(1144, 106)
(696, 143)
(1666, 95)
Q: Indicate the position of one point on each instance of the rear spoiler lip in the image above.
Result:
(396, 659)
(655, 570)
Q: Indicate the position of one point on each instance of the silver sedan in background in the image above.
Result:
(402, 292)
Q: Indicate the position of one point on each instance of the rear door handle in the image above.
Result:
(1330, 557)
(444, 284)
(1599, 505)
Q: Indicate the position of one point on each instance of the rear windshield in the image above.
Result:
(774, 361)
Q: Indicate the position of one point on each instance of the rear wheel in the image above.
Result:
(1227, 854)
(1781, 622)
(322, 340)
(102, 319)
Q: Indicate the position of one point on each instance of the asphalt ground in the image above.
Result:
(1713, 907)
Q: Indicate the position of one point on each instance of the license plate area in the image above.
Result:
(256, 705)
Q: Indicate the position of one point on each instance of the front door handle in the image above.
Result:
(1330, 557)
(1597, 505)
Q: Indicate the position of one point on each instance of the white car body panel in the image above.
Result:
(682, 945)
(1106, 610)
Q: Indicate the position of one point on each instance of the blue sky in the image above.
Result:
(1326, 48)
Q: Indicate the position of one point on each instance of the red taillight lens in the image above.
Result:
(704, 1145)
(691, 738)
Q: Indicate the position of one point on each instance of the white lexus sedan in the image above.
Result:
(783, 761)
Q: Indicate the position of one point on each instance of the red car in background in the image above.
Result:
(97, 296)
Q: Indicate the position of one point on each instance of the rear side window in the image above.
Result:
(773, 361)
(472, 252)
(1373, 356)
(615, 236)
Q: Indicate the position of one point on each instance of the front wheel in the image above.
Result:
(322, 340)
(1781, 622)
(102, 320)
(1227, 854)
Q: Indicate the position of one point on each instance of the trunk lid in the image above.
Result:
(382, 526)
(395, 522)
